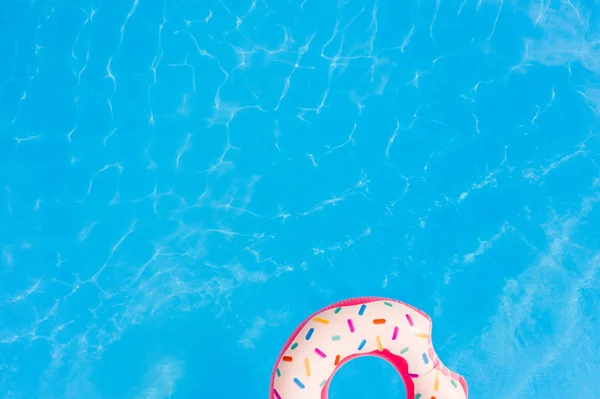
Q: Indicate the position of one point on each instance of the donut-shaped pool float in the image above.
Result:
(367, 326)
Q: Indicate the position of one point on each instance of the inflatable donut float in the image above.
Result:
(367, 326)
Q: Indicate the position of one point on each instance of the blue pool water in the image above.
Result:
(183, 182)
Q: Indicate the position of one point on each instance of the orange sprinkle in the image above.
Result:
(379, 321)
(307, 366)
(337, 360)
(379, 345)
(436, 383)
(287, 359)
(422, 335)
(321, 320)
(433, 397)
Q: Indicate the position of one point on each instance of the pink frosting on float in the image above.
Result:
(398, 362)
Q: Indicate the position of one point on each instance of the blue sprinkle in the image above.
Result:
(299, 383)
(362, 344)
(309, 333)
(362, 310)
(425, 358)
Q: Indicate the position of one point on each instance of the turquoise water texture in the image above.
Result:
(182, 182)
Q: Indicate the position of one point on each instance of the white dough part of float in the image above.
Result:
(365, 326)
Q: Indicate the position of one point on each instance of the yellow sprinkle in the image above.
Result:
(307, 366)
(422, 335)
(436, 383)
(321, 320)
(379, 345)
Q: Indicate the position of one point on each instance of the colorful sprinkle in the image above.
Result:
(309, 333)
(299, 383)
(417, 396)
(413, 375)
(431, 353)
(294, 345)
(395, 334)
(403, 351)
(361, 311)
(436, 383)
(433, 397)
(320, 353)
(410, 320)
(425, 359)
(278, 372)
(287, 359)
(362, 344)
(337, 360)
(388, 304)
(336, 338)
(321, 320)
(453, 384)
(337, 310)
(307, 366)
(420, 335)
(322, 383)
(379, 345)
(276, 394)
(351, 325)
(379, 321)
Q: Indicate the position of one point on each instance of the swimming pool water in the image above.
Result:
(183, 182)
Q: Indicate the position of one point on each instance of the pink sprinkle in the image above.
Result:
(351, 325)
(410, 320)
(395, 335)
(413, 375)
(318, 352)
(276, 394)
(431, 353)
